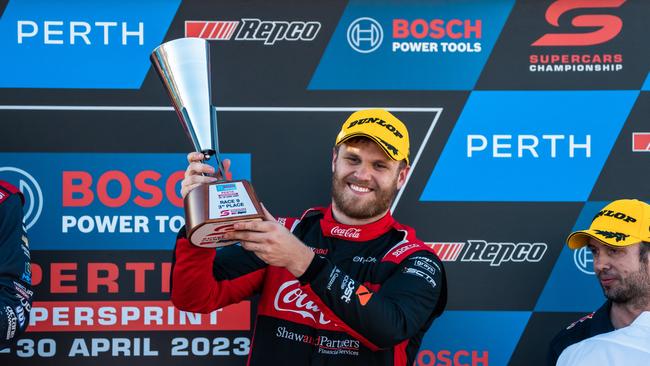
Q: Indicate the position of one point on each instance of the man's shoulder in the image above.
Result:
(8, 190)
(577, 329)
(307, 216)
(590, 325)
(408, 246)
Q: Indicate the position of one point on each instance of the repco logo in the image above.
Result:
(346, 233)
(291, 298)
(616, 215)
(498, 253)
(602, 27)
(250, 29)
(378, 121)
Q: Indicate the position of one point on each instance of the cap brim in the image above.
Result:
(581, 238)
(377, 141)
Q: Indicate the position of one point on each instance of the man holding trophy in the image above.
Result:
(341, 285)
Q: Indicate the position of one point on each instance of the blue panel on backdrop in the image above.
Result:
(81, 44)
(472, 338)
(529, 146)
(397, 45)
(103, 201)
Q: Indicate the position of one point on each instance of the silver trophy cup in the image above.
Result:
(210, 209)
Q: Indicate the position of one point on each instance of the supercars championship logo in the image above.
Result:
(600, 29)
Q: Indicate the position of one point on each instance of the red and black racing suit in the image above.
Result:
(15, 268)
(367, 298)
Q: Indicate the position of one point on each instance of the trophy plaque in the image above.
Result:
(210, 209)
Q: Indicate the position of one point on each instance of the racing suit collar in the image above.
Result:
(334, 229)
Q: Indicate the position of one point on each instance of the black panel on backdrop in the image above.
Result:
(620, 62)
(542, 327)
(623, 173)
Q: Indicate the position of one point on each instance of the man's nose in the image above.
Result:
(362, 172)
(601, 262)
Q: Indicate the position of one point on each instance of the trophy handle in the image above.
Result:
(208, 153)
(215, 144)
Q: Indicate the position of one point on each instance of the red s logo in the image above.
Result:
(609, 25)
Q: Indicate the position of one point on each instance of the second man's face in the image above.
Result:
(623, 276)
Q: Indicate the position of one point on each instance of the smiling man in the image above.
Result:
(342, 285)
(619, 239)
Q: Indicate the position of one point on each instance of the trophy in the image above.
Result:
(210, 209)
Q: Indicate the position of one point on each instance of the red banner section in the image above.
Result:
(97, 316)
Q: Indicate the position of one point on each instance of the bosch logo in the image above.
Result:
(365, 35)
(114, 188)
(463, 357)
(30, 189)
(584, 260)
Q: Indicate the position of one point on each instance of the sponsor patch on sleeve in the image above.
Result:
(22, 291)
(588, 316)
(401, 251)
(11, 322)
(333, 276)
(347, 286)
(426, 264)
(418, 273)
(363, 294)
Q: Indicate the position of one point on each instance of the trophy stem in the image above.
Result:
(207, 154)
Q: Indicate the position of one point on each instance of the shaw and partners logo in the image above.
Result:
(251, 29)
(366, 35)
(31, 191)
(590, 30)
(493, 253)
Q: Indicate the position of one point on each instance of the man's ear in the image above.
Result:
(335, 155)
(401, 176)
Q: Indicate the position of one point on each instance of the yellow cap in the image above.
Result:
(382, 127)
(621, 223)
